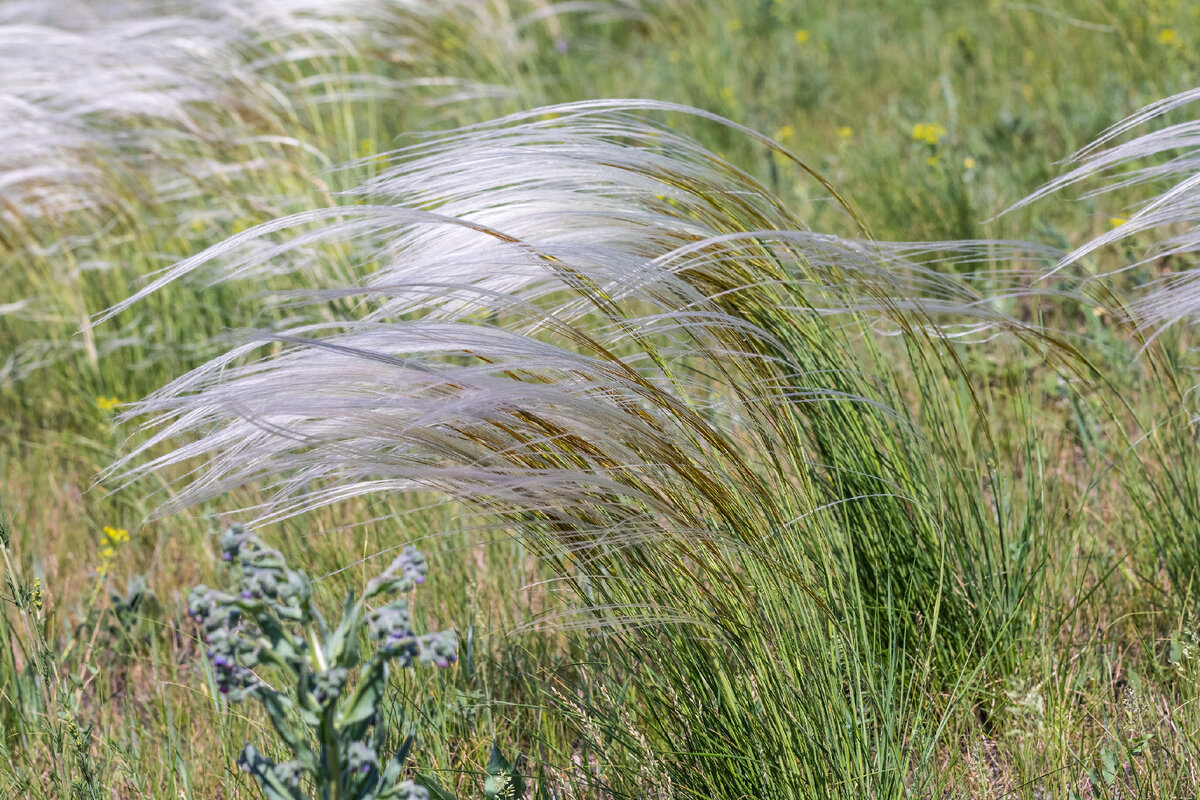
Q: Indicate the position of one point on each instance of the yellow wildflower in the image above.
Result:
(1168, 36)
(928, 132)
(1116, 222)
(116, 535)
(785, 133)
(802, 36)
(969, 162)
(366, 147)
(108, 548)
(932, 161)
(107, 403)
(727, 94)
(845, 132)
(735, 25)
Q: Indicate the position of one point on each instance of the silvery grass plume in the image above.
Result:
(579, 319)
(141, 124)
(88, 92)
(597, 332)
(115, 102)
(1168, 157)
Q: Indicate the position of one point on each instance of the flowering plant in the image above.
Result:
(328, 721)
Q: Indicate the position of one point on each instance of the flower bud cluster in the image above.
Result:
(407, 790)
(224, 635)
(328, 685)
(361, 757)
(225, 649)
(289, 773)
(440, 649)
(408, 569)
(264, 573)
(390, 627)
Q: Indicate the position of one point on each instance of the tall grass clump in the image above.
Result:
(751, 451)
(1157, 239)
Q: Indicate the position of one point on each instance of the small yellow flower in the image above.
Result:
(785, 133)
(35, 593)
(107, 403)
(928, 132)
(969, 162)
(116, 535)
(110, 539)
(932, 161)
(802, 36)
(366, 147)
(1168, 36)
(735, 25)
(727, 94)
(1116, 222)
(845, 132)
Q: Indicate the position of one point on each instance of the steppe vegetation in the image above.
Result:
(807, 428)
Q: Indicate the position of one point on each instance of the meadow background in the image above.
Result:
(1012, 616)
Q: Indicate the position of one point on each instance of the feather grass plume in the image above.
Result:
(601, 334)
(1168, 157)
(158, 127)
(583, 320)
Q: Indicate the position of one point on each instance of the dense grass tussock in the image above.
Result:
(594, 330)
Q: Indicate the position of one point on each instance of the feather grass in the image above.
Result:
(588, 327)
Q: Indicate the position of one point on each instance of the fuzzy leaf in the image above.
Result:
(262, 770)
(358, 711)
(279, 708)
(342, 648)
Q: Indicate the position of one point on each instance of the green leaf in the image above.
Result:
(279, 708)
(395, 767)
(430, 784)
(261, 769)
(361, 707)
(503, 781)
(283, 645)
(341, 650)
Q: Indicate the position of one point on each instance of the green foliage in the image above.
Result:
(329, 721)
